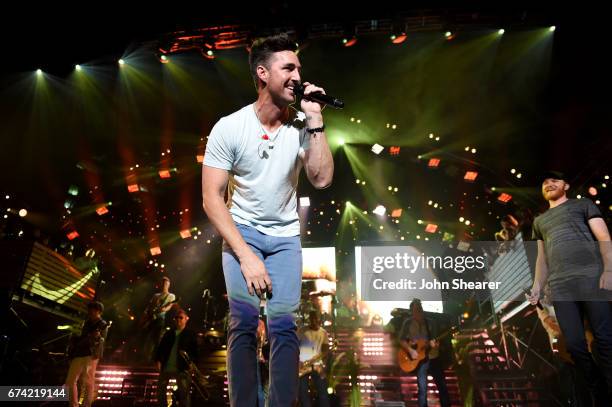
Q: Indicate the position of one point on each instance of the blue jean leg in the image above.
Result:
(283, 260)
(421, 374)
(241, 336)
(436, 371)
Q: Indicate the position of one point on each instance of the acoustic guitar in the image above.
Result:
(312, 363)
(422, 347)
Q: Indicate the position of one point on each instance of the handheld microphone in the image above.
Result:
(298, 89)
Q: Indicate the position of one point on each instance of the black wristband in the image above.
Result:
(316, 130)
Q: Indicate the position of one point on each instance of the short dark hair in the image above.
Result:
(263, 48)
(97, 305)
(416, 302)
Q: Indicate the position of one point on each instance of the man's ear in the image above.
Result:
(566, 187)
(262, 73)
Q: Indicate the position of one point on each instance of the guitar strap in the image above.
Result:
(162, 300)
(161, 303)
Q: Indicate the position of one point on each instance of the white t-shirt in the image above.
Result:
(311, 342)
(263, 180)
(160, 299)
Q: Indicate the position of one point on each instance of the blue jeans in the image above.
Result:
(437, 372)
(421, 374)
(282, 257)
(434, 368)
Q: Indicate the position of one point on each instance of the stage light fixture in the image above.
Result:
(349, 41)
(433, 163)
(377, 149)
(380, 210)
(398, 38)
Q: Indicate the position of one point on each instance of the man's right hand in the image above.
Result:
(534, 296)
(255, 274)
(407, 346)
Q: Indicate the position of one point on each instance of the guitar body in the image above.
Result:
(310, 365)
(150, 315)
(408, 364)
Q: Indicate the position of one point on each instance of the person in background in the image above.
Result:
(171, 364)
(85, 352)
(314, 347)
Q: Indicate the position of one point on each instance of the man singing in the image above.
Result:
(259, 151)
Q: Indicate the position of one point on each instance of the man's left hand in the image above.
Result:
(605, 281)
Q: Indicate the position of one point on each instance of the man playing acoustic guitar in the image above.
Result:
(416, 340)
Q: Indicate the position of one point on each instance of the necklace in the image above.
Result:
(270, 140)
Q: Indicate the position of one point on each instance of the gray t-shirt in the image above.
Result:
(571, 248)
(263, 180)
(414, 330)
